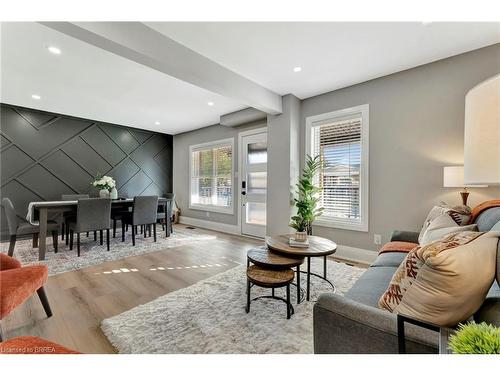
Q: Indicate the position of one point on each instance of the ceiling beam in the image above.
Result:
(138, 42)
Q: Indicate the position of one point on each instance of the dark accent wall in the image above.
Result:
(44, 155)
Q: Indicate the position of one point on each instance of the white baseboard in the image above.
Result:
(212, 225)
(355, 254)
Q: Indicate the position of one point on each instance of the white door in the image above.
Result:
(253, 154)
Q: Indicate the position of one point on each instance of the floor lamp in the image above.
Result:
(482, 134)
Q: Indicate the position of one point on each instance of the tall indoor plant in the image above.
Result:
(307, 198)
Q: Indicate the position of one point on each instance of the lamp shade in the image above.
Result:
(453, 176)
(482, 133)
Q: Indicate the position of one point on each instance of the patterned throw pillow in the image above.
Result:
(459, 214)
(442, 226)
(446, 281)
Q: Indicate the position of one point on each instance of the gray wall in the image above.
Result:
(44, 155)
(181, 168)
(416, 128)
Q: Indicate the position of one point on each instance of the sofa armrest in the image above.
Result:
(342, 325)
(404, 236)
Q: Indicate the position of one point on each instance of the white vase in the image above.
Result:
(104, 193)
(113, 194)
(300, 236)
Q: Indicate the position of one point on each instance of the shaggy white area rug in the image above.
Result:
(92, 253)
(209, 317)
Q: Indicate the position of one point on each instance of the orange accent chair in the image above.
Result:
(18, 283)
(33, 345)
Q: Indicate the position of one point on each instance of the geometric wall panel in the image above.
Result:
(59, 154)
(46, 185)
(65, 169)
(124, 171)
(103, 145)
(86, 157)
(13, 162)
(136, 185)
(122, 137)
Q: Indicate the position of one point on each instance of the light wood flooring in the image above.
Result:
(81, 299)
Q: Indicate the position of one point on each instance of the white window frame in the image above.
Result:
(313, 121)
(208, 146)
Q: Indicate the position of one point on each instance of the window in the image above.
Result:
(341, 139)
(211, 173)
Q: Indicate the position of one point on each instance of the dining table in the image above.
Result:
(38, 213)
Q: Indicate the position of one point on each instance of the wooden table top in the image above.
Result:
(318, 246)
(269, 277)
(266, 258)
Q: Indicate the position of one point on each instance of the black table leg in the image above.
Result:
(308, 278)
(324, 267)
(248, 296)
(298, 284)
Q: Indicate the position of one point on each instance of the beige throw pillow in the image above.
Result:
(446, 281)
(442, 226)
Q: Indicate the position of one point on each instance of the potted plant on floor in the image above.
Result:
(474, 338)
(307, 199)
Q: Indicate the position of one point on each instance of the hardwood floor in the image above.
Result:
(81, 299)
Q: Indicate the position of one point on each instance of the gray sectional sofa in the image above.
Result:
(354, 324)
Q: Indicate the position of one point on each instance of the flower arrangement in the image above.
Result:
(104, 183)
(473, 338)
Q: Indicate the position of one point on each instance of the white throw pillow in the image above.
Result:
(461, 215)
(442, 226)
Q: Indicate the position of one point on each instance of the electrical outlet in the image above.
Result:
(377, 239)
(208, 214)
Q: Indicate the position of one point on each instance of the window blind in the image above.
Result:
(339, 144)
(211, 176)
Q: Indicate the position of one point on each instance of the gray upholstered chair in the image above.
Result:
(92, 214)
(70, 216)
(164, 212)
(144, 213)
(20, 227)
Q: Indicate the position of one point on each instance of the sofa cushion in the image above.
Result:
(389, 260)
(488, 218)
(371, 285)
(397, 246)
(8, 263)
(446, 281)
(18, 284)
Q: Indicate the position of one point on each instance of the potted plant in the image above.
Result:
(106, 186)
(307, 199)
(474, 338)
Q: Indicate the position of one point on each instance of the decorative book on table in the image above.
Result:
(293, 243)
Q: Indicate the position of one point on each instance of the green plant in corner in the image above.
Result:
(474, 338)
(307, 198)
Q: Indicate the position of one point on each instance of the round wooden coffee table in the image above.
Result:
(270, 278)
(318, 247)
(272, 260)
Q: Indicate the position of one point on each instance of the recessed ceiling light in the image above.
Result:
(157, 122)
(211, 104)
(54, 50)
(297, 69)
(36, 97)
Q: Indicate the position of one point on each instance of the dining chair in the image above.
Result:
(165, 211)
(20, 227)
(70, 216)
(92, 214)
(144, 213)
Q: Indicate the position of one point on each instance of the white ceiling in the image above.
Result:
(86, 81)
(89, 82)
(332, 55)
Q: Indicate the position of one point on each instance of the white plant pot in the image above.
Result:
(300, 236)
(113, 194)
(104, 193)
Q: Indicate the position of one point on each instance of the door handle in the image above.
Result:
(243, 193)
